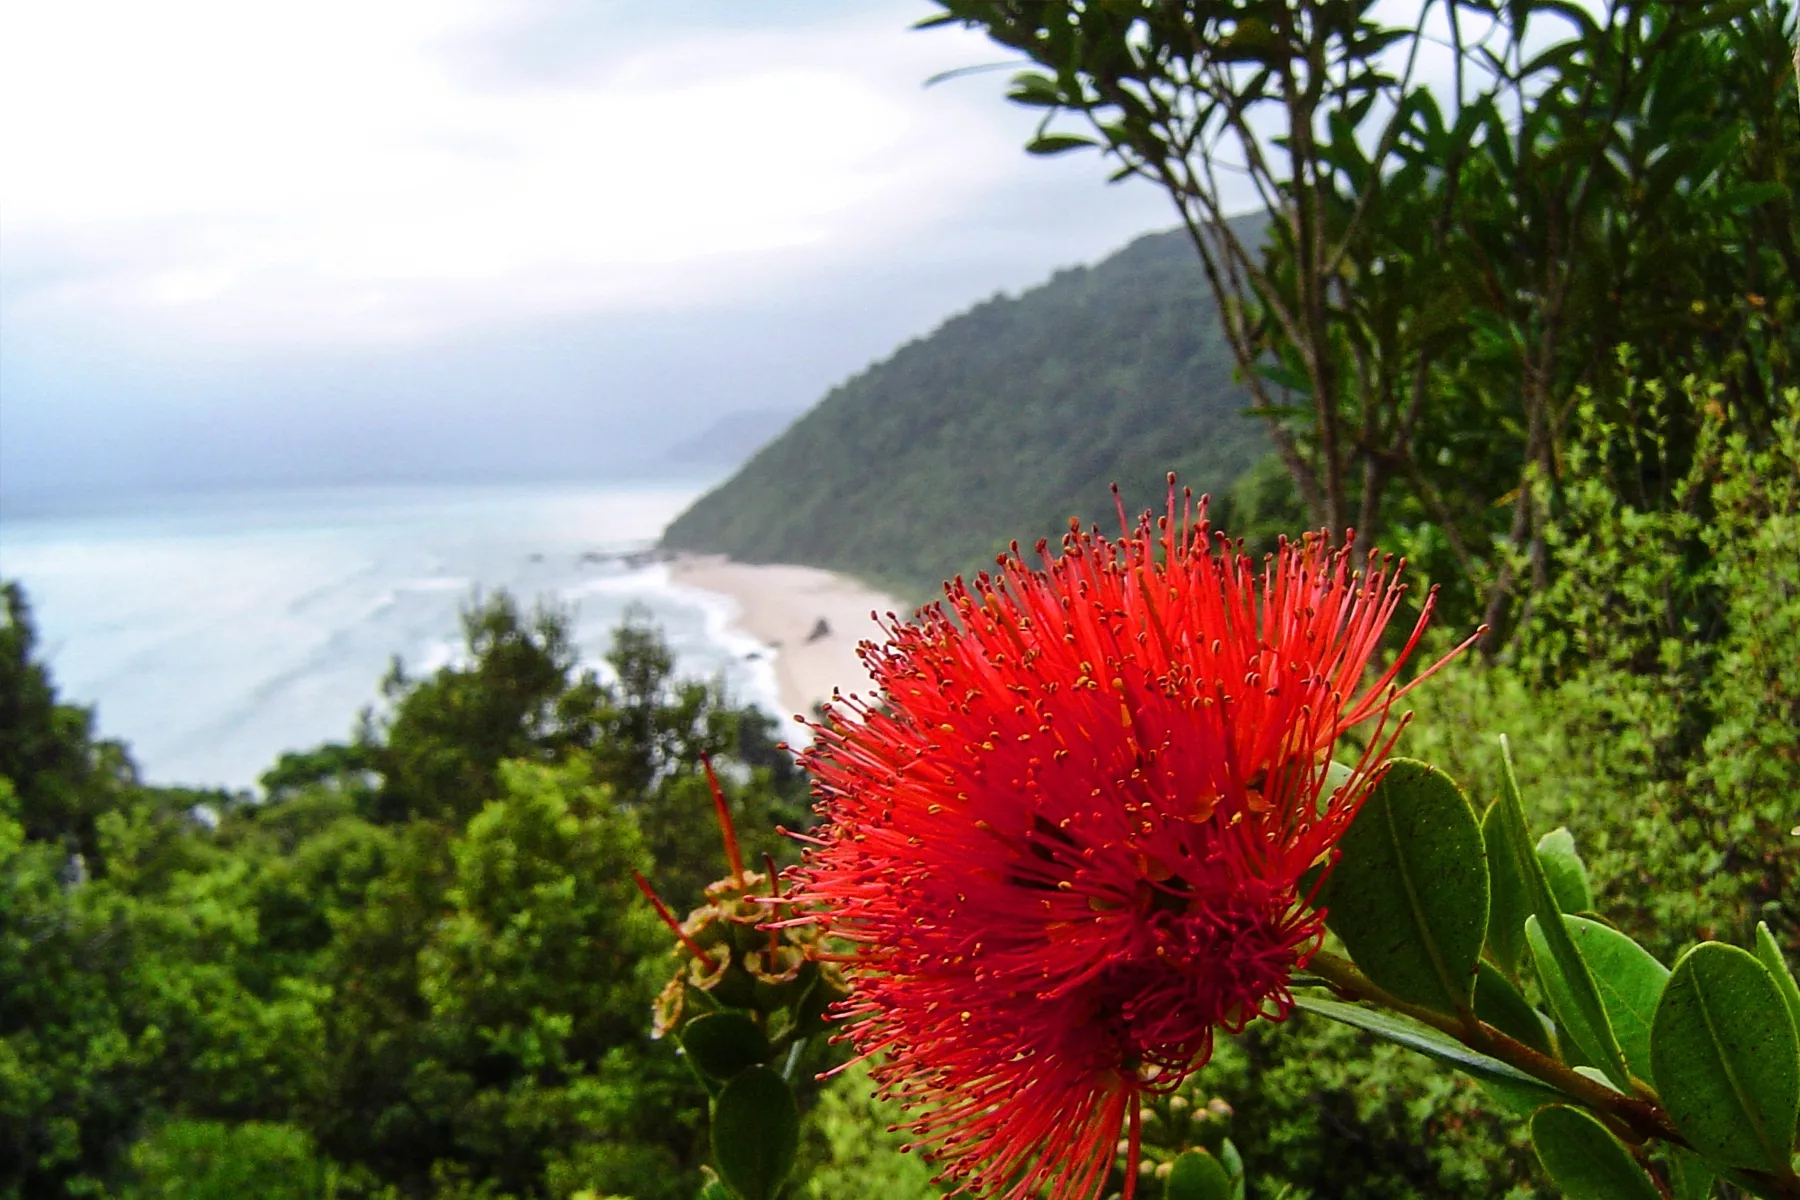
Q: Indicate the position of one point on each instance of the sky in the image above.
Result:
(445, 240)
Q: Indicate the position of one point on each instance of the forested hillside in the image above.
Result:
(1006, 421)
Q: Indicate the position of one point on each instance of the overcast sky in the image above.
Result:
(407, 239)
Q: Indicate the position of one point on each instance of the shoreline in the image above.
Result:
(811, 621)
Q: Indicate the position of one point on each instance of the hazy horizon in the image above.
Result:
(486, 242)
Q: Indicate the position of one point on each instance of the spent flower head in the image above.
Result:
(735, 952)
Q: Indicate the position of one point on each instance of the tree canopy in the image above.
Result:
(417, 961)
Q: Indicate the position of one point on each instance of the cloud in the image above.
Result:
(344, 172)
(478, 238)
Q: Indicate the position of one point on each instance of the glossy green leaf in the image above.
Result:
(1575, 1032)
(755, 1133)
(1565, 871)
(1726, 1060)
(1586, 1161)
(1520, 1102)
(822, 991)
(1689, 1176)
(721, 1044)
(1409, 895)
(1499, 1004)
(1629, 981)
(1507, 903)
(1599, 1077)
(1337, 777)
(1403, 1031)
(1768, 952)
(1582, 994)
(1233, 1162)
(1197, 1175)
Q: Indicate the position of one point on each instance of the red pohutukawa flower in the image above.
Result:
(1069, 844)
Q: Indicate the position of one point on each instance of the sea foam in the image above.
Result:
(212, 634)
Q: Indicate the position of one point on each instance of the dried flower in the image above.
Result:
(1069, 842)
(734, 951)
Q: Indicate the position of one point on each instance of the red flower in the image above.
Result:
(1071, 843)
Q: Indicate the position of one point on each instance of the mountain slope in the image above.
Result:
(1002, 424)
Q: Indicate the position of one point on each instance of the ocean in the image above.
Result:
(212, 632)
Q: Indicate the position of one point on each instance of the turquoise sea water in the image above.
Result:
(213, 632)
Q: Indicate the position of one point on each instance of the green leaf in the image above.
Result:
(821, 993)
(1721, 12)
(1565, 870)
(1507, 903)
(1499, 1004)
(1744, 196)
(1338, 776)
(975, 69)
(1403, 1031)
(1520, 1102)
(1578, 1035)
(1629, 980)
(1581, 993)
(1034, 90)
(1599, 1077)
(1409, 894)
(1233, 1162)
(721, 1044)
(1586, 1161)
(1057, 143)
(1768, 952)
(755, 1133)
(1726, 1060)
(1689, 1176)
(1283, 376)
(1197, 1175)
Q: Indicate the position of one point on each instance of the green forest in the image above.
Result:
(1543, 340)
(414, 964)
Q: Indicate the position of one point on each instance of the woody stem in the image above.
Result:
(1638, 1118)
(1643, 1119)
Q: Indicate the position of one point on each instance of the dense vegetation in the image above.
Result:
(416, 965)
(1539, 336)
(1448, 272)
(1653, 704)
(1002, 424)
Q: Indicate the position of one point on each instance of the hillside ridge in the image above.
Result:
(1001, 424)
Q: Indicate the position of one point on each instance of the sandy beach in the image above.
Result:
(811, 619)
